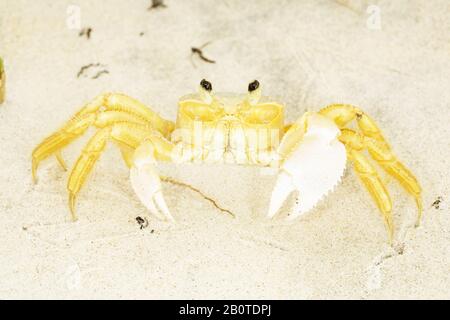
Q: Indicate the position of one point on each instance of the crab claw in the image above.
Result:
(146, 182)
(313, 168)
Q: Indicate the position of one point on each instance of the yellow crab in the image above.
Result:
(248, 129)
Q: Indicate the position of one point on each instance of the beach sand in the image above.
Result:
(307, 53)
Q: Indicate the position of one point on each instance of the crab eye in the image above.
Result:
(205, 84)
(253, 86)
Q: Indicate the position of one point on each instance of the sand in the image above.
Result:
(307, 53)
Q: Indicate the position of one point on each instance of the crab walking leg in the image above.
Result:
(342, 114)
(376, 188)
(116, 105)
(395, 168)
(84, 165)
(58, 140)
(378, 148)
(73, 129)
(61, 161)
(383, 155)
(104, 119)
(389, 162)
(121, 102)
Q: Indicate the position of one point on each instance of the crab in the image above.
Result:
(310, 155)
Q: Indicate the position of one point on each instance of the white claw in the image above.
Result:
(313, 169)
(147, 184)
(161, 203)
(283, 188)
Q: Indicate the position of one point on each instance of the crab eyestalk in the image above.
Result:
(2, 82)
(205, 91)
(254, 93)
